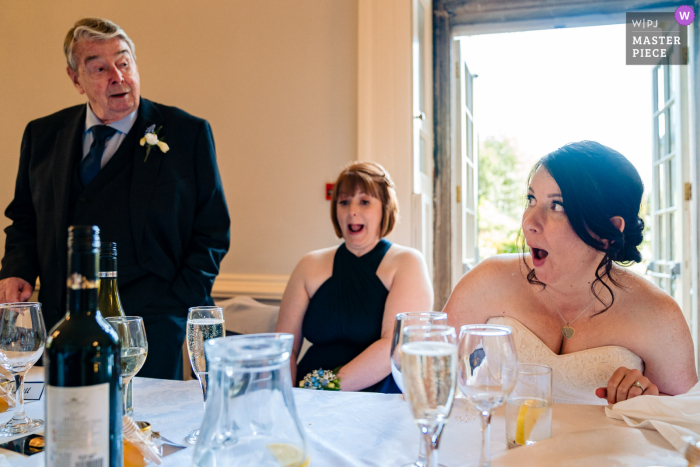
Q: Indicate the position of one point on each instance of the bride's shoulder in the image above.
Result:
(491, 286)
(505, 267)
(643, 298)
(500, 275)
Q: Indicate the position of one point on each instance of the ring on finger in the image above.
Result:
(639, 385)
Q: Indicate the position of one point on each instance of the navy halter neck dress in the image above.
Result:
(344, 316)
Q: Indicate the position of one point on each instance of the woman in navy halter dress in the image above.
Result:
(344, 299)
(344, 316)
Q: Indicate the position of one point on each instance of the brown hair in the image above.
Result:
(372, 179)
(597, 183)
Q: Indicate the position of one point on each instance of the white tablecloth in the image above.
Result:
(358, 429)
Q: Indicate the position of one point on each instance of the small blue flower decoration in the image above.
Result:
(321, 380)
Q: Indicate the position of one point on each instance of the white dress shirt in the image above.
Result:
(122, 126)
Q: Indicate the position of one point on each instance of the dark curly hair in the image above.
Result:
(597, 183)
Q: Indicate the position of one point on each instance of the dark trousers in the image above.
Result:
(165, 335)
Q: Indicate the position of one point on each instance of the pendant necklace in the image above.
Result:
(566, 330)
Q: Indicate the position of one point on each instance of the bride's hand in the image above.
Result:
(622, 386)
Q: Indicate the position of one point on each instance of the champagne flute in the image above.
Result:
(132, 335)
(429, 369)
(411, 318)
(487, 378)
(22, 339)
(203, 323)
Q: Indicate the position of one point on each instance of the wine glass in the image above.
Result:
(429, 369)
(203, 323)
(411, 318)
(487, 373)
(22, 339)
(132, 335)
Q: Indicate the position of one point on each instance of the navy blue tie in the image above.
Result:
(90, 165)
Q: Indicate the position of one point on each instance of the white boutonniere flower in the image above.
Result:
(151, 138)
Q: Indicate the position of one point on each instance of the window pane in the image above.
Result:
(672, 190)
(470, 138)
(661, 194)
(661, 128)
(470, 91)
(671, 134)
(671, 239)
(673, 74)
(421, 56)
(674, 287)
(659, 234)
(468, 246)
(470, 192)
(660, 88)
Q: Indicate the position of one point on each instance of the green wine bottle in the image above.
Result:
(109, 302)
(83, 369)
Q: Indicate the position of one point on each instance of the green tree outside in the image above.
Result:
(501, 196)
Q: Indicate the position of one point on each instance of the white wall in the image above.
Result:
(276, 79)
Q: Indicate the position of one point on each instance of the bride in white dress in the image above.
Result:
(608, 334)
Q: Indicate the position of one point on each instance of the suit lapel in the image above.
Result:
(144, 173)
(69, 145)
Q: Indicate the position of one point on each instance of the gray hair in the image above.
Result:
(92, 29)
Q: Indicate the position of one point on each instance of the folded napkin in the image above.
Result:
(673, 416)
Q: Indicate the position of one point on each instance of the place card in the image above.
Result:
(33, 390)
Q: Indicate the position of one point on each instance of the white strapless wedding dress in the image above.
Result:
(575, 376)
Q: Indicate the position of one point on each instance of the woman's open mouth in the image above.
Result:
(355, 228)
(538, 256)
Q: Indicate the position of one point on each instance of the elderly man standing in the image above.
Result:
(90, 164)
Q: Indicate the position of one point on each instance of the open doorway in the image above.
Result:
(576, 87)
(586, 93)
(513, 66)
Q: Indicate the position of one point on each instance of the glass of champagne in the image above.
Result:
(203, 323)
(22, 339)
(487, 373)
(429, 370)
(411, 318)
(132, 335)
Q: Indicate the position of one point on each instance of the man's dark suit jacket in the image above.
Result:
(177, 210)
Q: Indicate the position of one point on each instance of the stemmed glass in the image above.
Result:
(203, 323)
(22, 339)
(487, 373)
(132, 335)
(411, 318)
(429, 369)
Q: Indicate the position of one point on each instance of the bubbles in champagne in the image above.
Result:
(429, 372)
(198, 331)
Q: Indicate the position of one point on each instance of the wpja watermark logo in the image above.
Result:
(654, 38)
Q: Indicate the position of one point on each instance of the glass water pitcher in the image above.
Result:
(250, 419)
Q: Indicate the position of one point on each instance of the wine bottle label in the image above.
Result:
(77, 426)
(77, 281)
(108, 274)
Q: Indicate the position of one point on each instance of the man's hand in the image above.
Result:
(15, 289)
(622, 386)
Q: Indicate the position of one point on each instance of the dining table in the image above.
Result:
(354, 429)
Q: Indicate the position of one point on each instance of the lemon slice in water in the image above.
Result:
(288, 455)
(527, 417)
